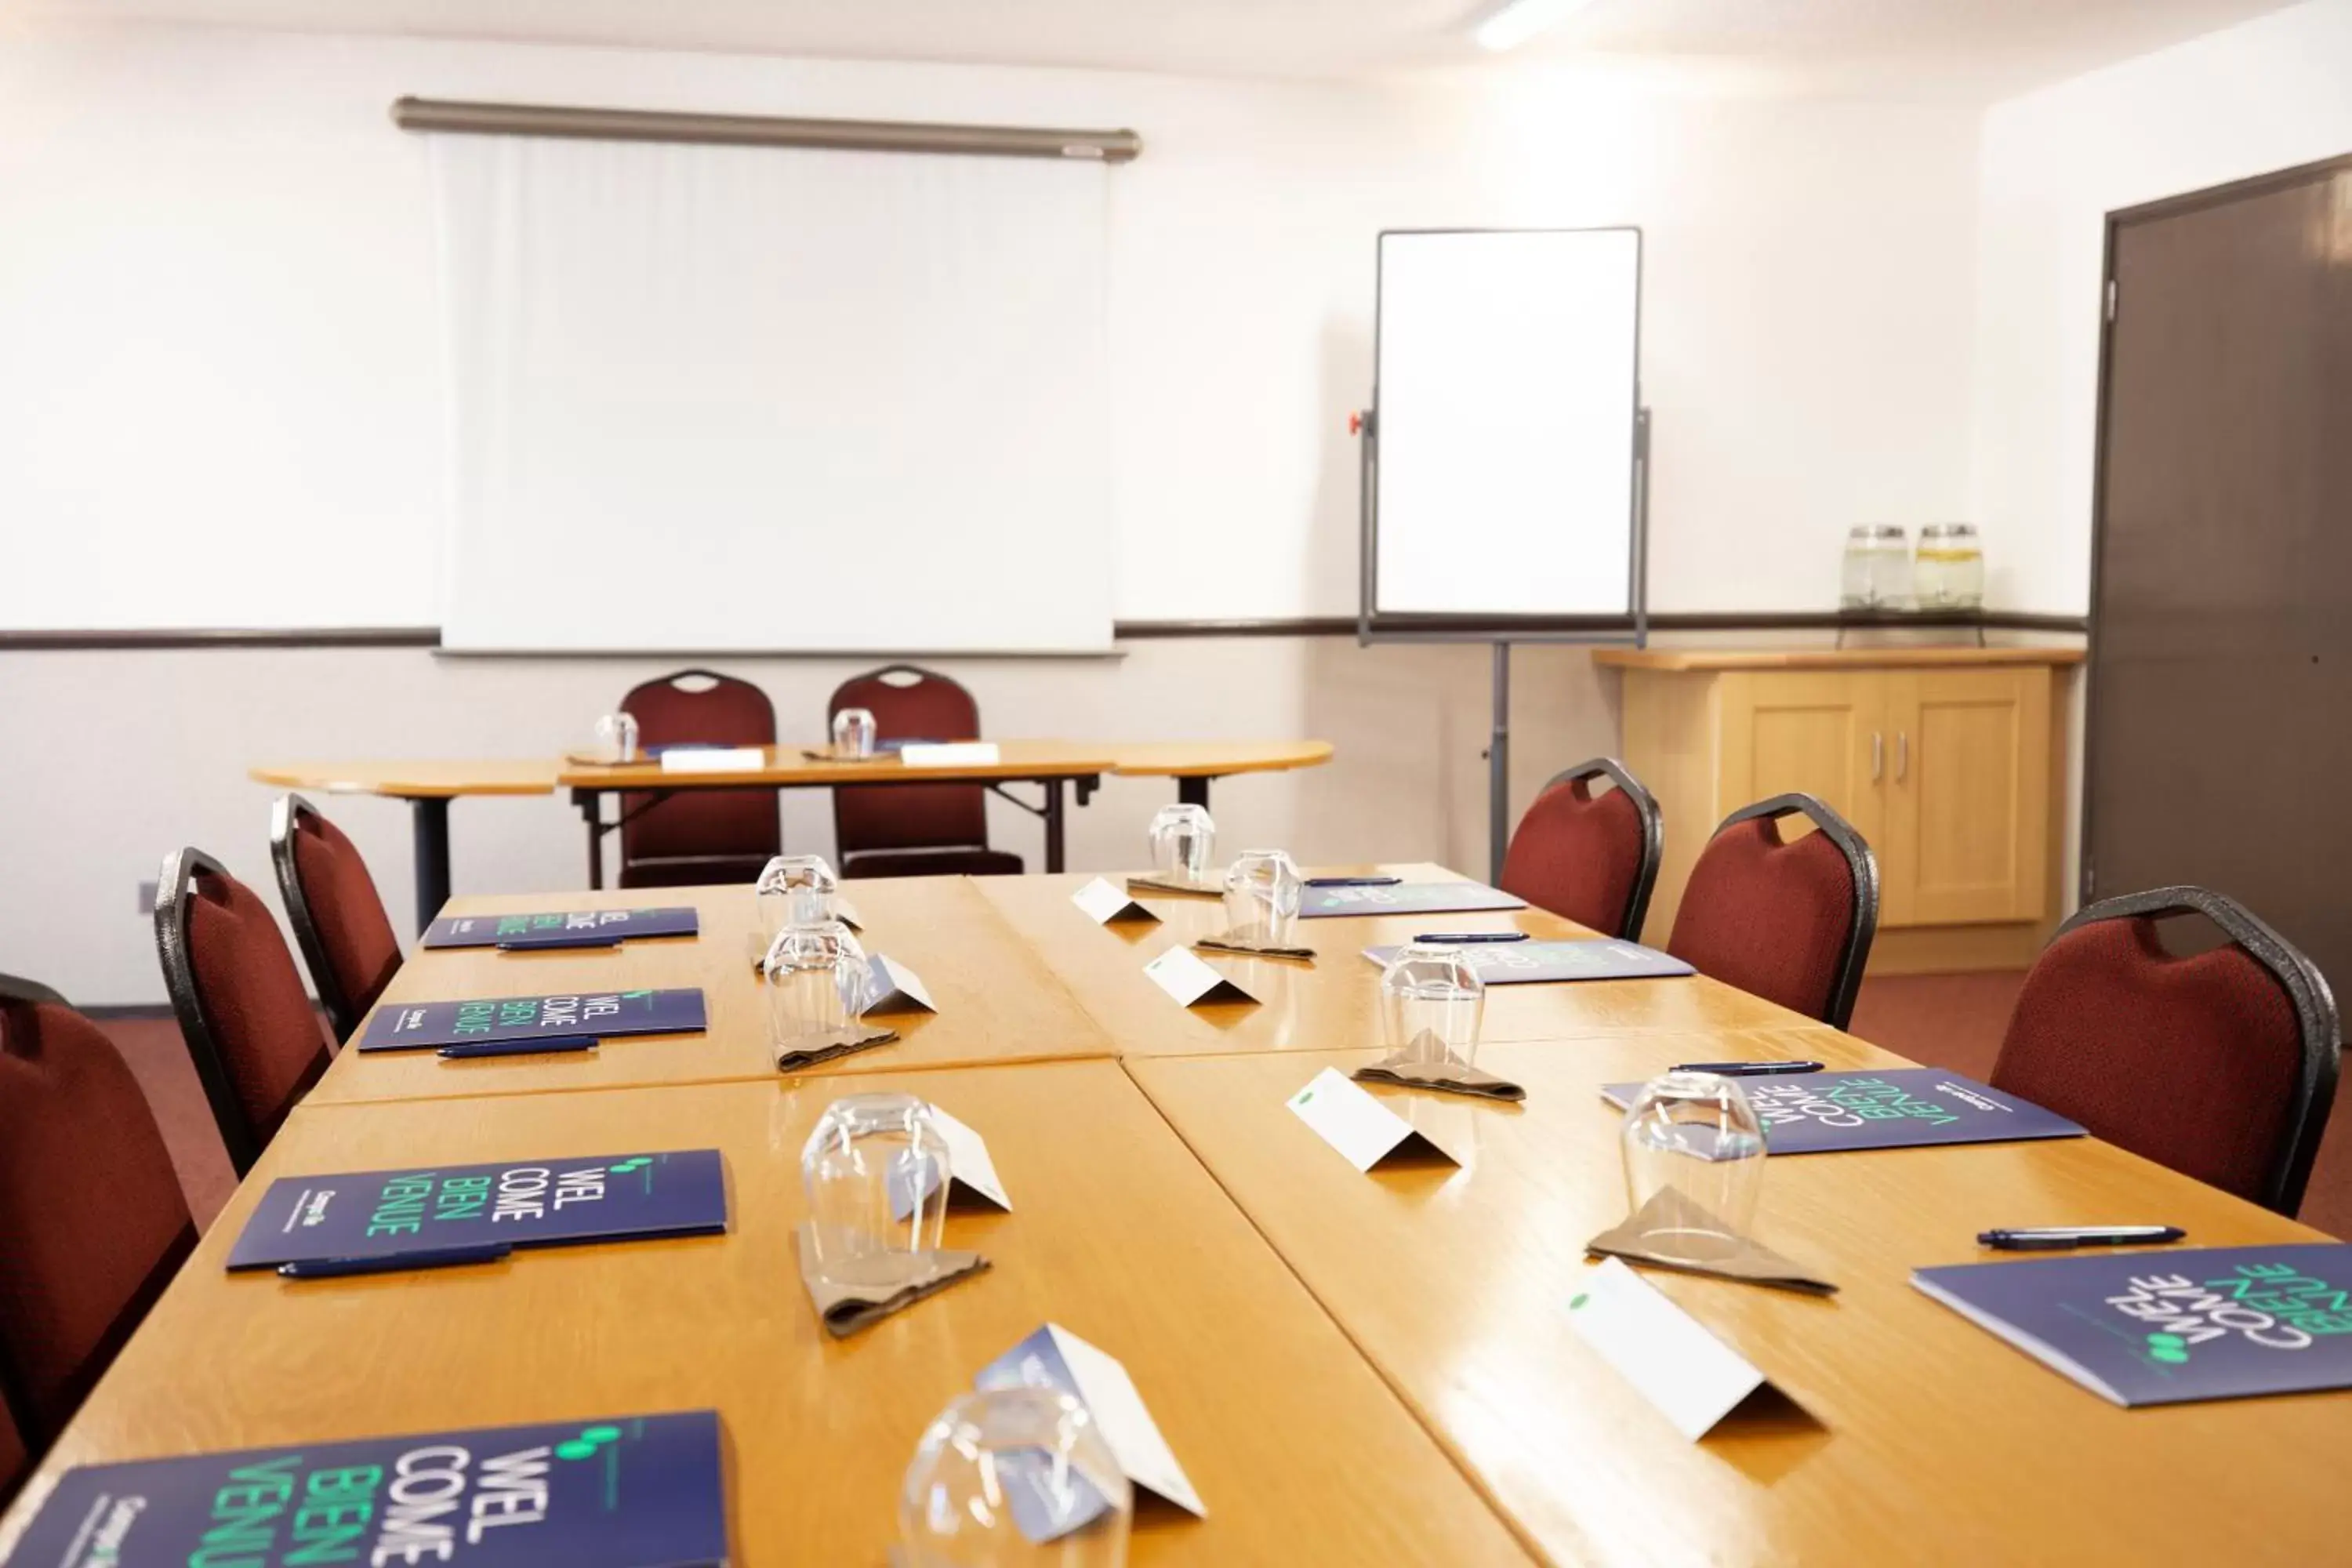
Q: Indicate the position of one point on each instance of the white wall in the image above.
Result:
(2267, 95)
(220, 364)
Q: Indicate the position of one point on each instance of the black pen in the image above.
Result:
(392, 1262)
(1457, 937)
(1353, 881)
(2064, 1238)
(553, 1043)
(1749, 1070)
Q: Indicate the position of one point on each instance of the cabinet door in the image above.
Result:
(1968, 798)
(1819, 732)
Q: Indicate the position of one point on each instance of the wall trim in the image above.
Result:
(1121, 631)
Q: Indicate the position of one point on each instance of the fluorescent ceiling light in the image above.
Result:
(1520, 20)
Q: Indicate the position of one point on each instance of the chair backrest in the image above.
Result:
(93, 1222)
(337, 914)
(1593, 859)
(702, 834)
(2221, 1065)
(1790, 921)
(909, 703)
(249, 1023)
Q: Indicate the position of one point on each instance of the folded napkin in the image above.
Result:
(583, 760)
(1252, 940)
(840, 1042)
(1170, 885)
(1636, 1240)
(844, 1310)
(1448, 1073)
(827, 754)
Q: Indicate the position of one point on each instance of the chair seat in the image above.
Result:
(932, 863)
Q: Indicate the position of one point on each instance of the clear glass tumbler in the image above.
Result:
(816, 977)
(795, 890)
(1698, 1135)
(1184, 839)
(875, 1172)
(1263, 889)
(1015, 1477)
(853, 732)
(617, 738)
(1432, 1004)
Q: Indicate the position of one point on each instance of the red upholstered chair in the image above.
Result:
(2220, 1065)
(337, 914)
(914, 830)
(1593, 859)
(242, 1009)
(699, 836)
(1790, 921)
(92, 1220)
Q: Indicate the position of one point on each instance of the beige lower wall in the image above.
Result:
(115, 757)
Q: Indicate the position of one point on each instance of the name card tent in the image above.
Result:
(559, 1202)
(418, 1026)
(1365, 1131)
(1687, 1374)
(1191, 980)
(626, 1491)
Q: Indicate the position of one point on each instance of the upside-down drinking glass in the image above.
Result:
(1433, 1002)
(853, 732)
(1015, 1477)
(795, 890)
(1183, 839)
(617, 738)
(1262, 891)
(816, 977)
(875, 1172)
(1699, 1134)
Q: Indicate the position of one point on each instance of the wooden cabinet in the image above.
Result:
(1940, 757)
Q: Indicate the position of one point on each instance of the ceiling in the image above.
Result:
(1934, 48)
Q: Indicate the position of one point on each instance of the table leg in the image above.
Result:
(592, 808)
(1053, 824)
(429, 820)
(1193, 789)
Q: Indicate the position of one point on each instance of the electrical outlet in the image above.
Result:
(146, 897)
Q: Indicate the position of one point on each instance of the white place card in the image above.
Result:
(1054, 1357)
(1694, 1379)
(713, 760)
(1364, 1130)
(947, 753)
(892, 987)
(1190, 980)
(846, 913)
(1106, 903)
(968, 1164)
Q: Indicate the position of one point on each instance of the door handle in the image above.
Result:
(1902, 755)
(1877, 755)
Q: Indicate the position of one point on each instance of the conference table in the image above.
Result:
(429, 786)
(1354, 1368)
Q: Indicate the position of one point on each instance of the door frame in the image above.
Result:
(2117, 221)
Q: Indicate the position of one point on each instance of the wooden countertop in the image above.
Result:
(1729, 657)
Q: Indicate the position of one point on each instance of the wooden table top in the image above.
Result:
(442, 778)
(1824, 656)
(1333, 1002)
(1300, 1452)
(1930, 1441)
(997, 1002)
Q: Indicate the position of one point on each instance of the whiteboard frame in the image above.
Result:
(1371, 626)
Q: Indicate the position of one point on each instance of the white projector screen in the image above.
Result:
(755, 398)
(1505, 391)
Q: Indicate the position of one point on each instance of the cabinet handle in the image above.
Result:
(1877, 755)
(1902, 755)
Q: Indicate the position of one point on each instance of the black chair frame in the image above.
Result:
(285, 819)
(1653, 834)
(181, 867)
(1863, 865)
(2306, 987)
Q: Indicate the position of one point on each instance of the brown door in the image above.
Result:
(2220, 726)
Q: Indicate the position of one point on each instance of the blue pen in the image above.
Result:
(1749, 1069)
(586, 939)
(1457, 937)
(1353, 881)
(553, 1044)
(431, 1258)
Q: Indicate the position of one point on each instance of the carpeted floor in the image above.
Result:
(1945, 1020)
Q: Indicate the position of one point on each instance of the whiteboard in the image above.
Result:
(1505, 397)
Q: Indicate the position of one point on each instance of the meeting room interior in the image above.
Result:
(1058, 783)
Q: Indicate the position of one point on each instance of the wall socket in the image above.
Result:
(146, 897)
